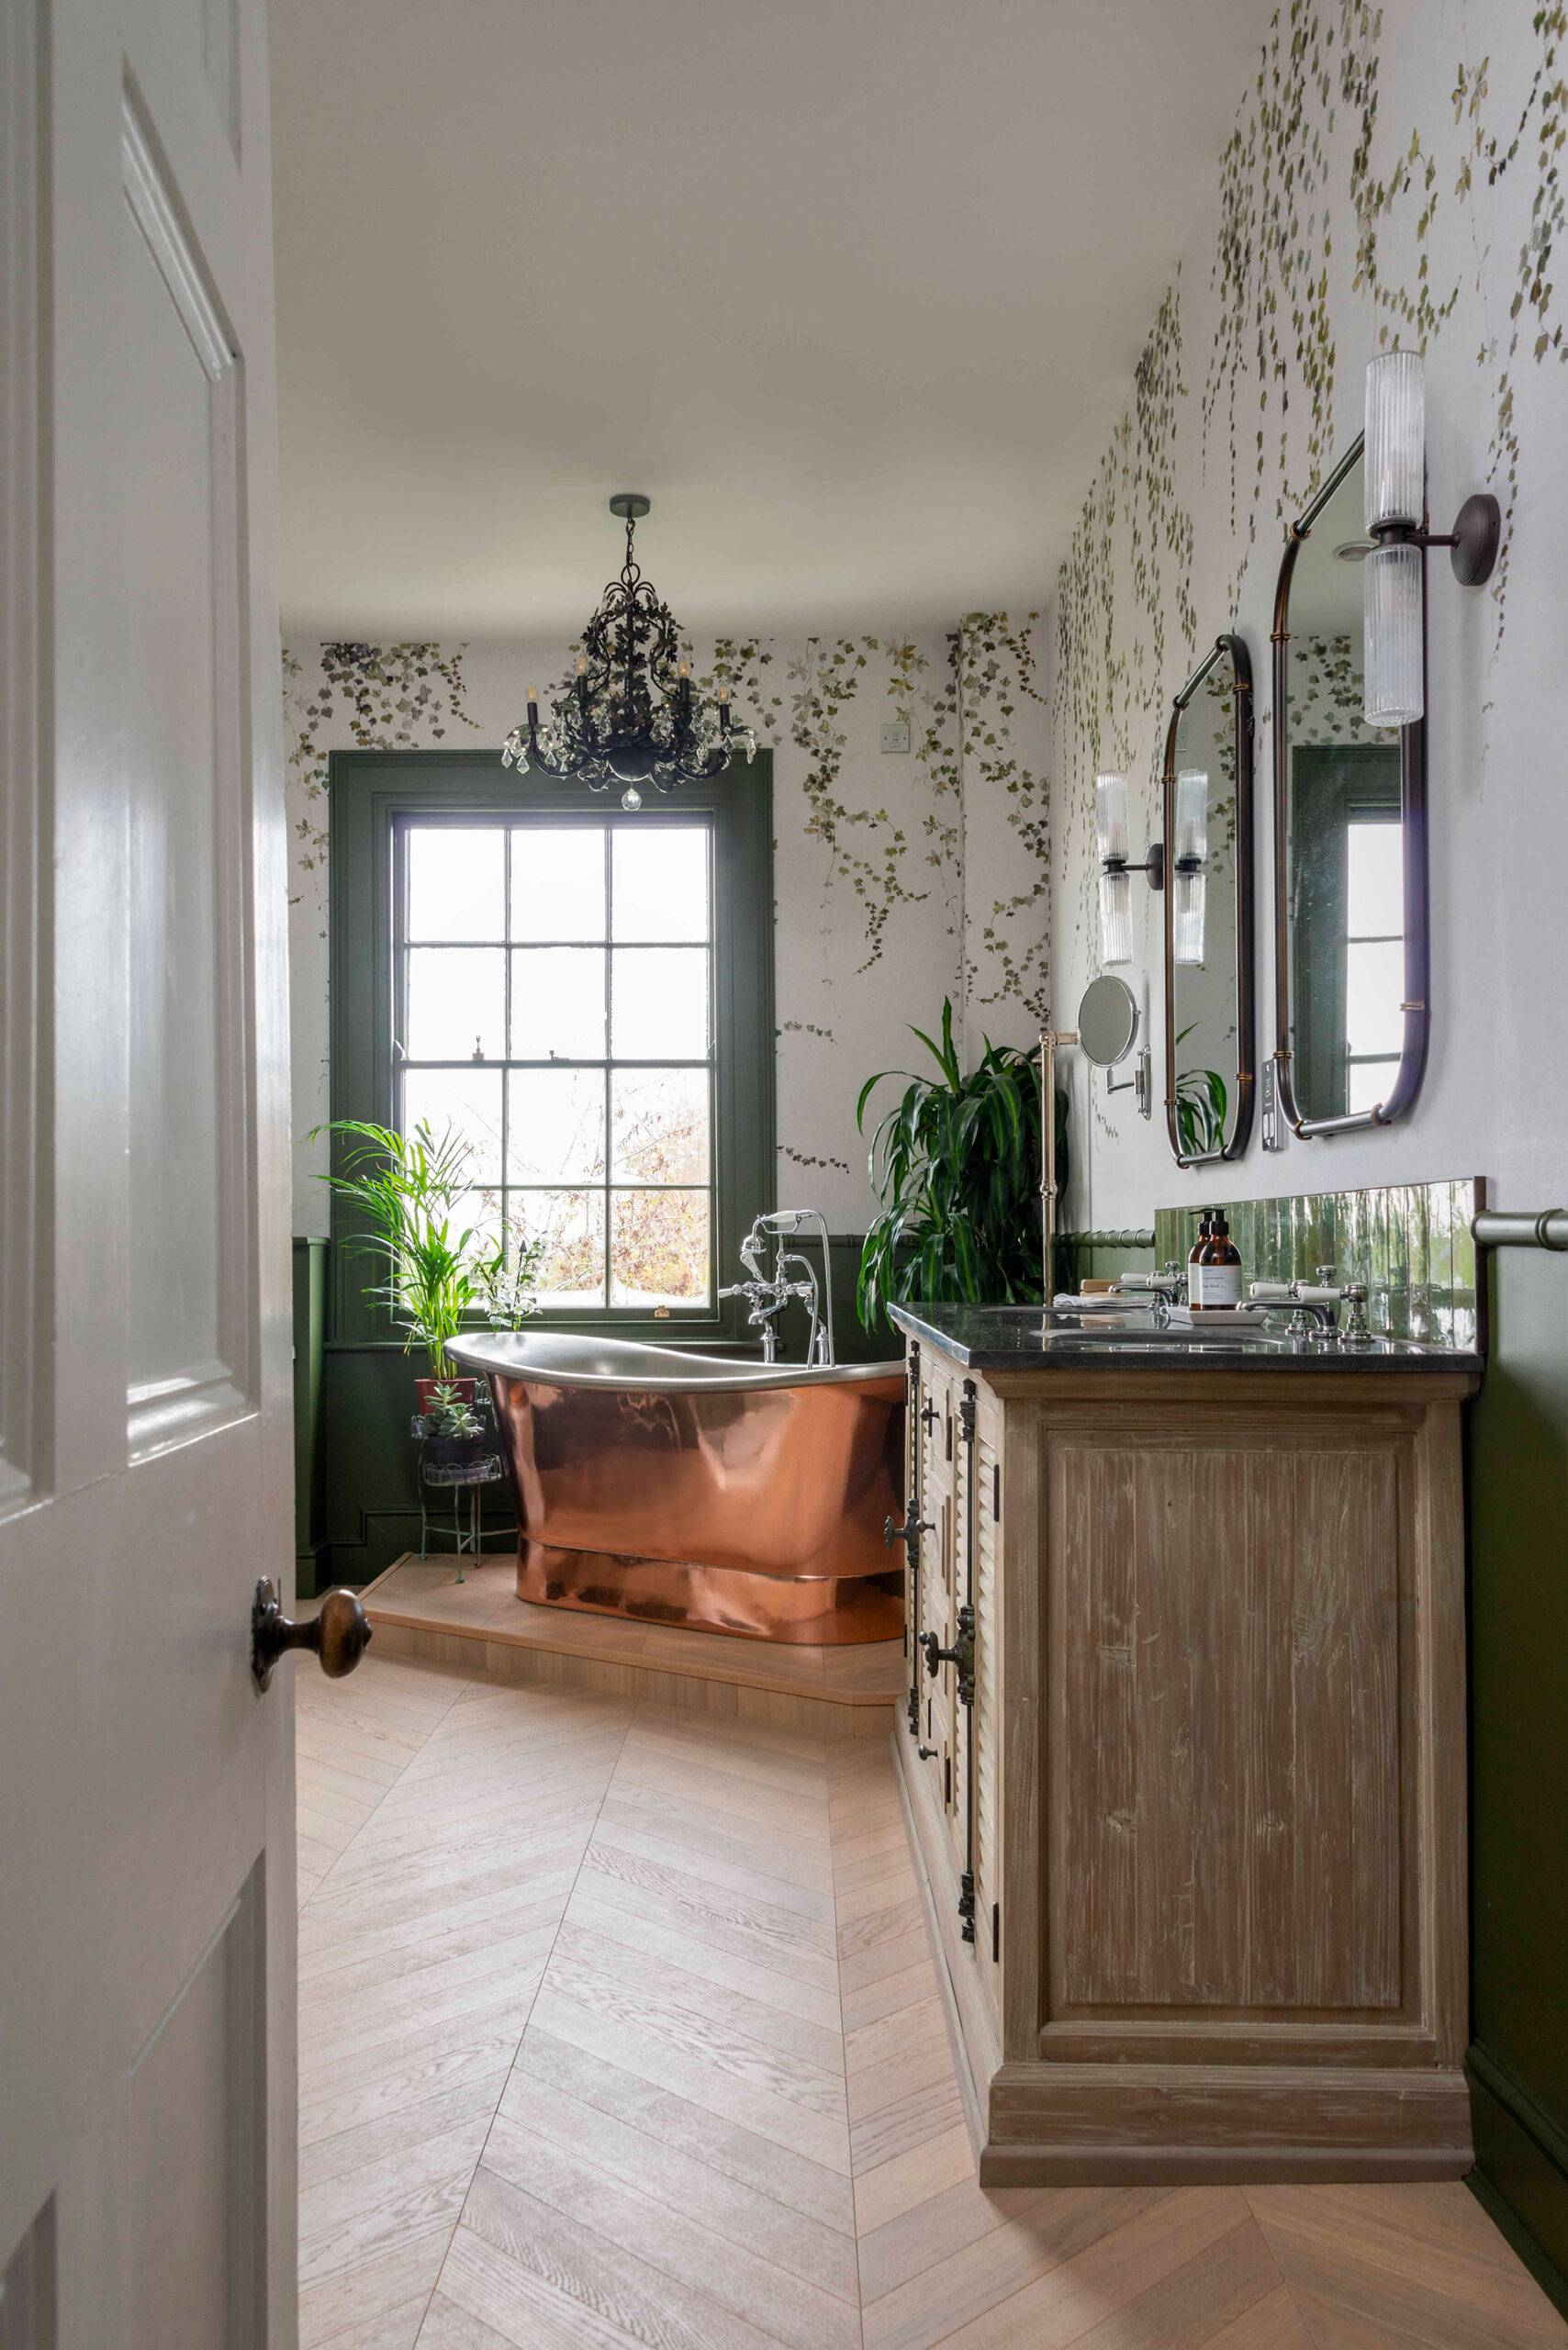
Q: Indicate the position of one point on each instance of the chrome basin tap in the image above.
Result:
(1315, 1315)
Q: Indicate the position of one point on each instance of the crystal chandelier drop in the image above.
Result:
(629, 715)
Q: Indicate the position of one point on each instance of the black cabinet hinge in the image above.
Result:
(967, 1905)
(996, 1933)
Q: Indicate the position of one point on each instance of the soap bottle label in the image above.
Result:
(1219, 1284)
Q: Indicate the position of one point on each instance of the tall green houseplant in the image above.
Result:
(407, 1189)
(955, 1166)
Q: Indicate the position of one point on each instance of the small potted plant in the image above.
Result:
(453, 1430)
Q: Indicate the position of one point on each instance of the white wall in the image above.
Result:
(899, 878)
(1312, 254)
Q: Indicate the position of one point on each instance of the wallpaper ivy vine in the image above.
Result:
(1395, 176)
(900, 877)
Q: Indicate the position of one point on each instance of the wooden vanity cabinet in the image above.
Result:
(1203, 1913)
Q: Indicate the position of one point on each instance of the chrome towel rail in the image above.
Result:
(1134, 1238)
(1516, 1228)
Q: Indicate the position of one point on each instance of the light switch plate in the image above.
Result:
(895, 734)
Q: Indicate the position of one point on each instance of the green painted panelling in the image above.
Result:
(1519, 1623)
(1410, 1243)
(309, 1456)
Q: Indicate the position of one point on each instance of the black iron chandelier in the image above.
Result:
(631, 715)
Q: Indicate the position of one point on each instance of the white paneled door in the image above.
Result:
(147, 2037)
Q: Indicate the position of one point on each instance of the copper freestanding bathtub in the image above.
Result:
(728, 1496)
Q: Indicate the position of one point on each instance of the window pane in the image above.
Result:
(1370, 1083)
(479, 1213)
(1375, 881)
(558, 1003)
(467, 1100)
(572, 1226)
(658, 1253)
(456, 1001)
(555, 1125)
(660, 882)
(659, 1003)
(658, 1130)
(557, 881)
(1374, 982)
(456, 881)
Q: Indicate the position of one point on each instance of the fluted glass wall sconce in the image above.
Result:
(1116, 872)
(1394, 572)
(1188, 866)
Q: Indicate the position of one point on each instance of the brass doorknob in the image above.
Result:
(338, 1632)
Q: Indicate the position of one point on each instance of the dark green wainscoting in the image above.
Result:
(309, 1450)
(1519, 1623)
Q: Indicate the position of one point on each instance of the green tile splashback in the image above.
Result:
(1410, 1243)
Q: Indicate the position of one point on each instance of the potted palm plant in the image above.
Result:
(955, 1166)
(407, 1191)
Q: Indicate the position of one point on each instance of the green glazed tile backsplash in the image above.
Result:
(1411, 1244)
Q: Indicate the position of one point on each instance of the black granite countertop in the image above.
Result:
(1027, 1337)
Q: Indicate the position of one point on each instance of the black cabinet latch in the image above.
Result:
(961, 1653)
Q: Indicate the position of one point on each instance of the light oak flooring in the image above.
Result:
(619, 2030)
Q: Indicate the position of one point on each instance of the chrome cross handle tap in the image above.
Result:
(767, 1294)
(1316, 1308)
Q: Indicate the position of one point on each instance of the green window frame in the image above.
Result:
(374, 795)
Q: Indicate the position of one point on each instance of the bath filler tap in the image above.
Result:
(792, 1276)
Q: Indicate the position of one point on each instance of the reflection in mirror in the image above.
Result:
(1202, 913)
(1107, 1020)
(1344, 870)
(1209, 1071)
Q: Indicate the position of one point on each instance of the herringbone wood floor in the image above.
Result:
(619, 2032)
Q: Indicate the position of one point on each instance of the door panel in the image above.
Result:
(189, 1274)
(196, 2091)
(146, 1790)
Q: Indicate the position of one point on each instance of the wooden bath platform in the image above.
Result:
(418, 1608)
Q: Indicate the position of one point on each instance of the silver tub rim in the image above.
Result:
(563, 1358)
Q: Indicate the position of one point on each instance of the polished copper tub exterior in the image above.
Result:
(690, 1490)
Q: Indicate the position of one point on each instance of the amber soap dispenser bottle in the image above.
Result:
(1194, 1257)
(1219, 1268)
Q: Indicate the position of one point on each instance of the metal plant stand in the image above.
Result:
(465, 1480)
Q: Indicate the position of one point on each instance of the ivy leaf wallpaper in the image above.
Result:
(1393, 175)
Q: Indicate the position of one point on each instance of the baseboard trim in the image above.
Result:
(1522, 2170)
(1047, 2165)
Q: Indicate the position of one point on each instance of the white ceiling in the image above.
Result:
(851, 288)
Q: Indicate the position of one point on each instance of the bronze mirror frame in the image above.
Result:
(1416, 1006)
(1232, 649)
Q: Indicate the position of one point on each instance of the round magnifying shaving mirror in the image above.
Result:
(1107, 1020)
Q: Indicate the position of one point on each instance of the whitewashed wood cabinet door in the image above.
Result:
(147, 2038)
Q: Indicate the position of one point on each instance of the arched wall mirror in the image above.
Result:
(1210, 1044)
(1350, 938)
